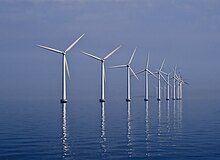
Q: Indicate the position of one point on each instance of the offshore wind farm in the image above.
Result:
(109, 79)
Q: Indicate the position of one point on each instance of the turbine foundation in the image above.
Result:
(128, 100)
(101, 100)
(63, 101)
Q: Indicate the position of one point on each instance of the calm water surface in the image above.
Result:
(188, 129)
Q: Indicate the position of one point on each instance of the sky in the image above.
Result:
(184, 32)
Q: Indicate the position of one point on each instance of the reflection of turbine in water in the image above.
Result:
(103, 138)
(65, 136)
(159, 117)
(168, 116)
(129, 130)
(146, 117)
(179, 113)
(174, 114)
(147, 127)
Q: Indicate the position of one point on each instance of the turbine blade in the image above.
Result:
(163, 78)
(133, 73)
(176, 77)
(147, 62)
(169, 73)
(118, 66)
(73, 44)
(67, 68)
(112, 52)
(174, 70)
(50, 49)
(185, 82)
(162, 65)
(152, 73)
(140, 72)
(132, 56)
(92, 56)
(164, 73)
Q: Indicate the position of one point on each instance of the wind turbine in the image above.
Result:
(174, 82)
(168, 84)
(159, 83)
(129, 69)
(180, 84)
(102, 60)
(64, 65)
(178, 87)
(147, 72)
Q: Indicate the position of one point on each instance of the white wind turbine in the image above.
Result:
(102, 60)
(128, 66)
(64, 66)
(168, 84)
(180, 85)
(175, 78)
(159, 83)
(175, 85)
(147, 72)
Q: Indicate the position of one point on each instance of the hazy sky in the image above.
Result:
(185, 32)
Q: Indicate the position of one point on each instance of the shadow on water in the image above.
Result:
(129, 144)
(65, 135)
(103, 131)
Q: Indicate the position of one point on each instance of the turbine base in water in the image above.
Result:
(145, 99)
(63, 101)
(128, 100)
(167, 99)
(101, 100)
(158, 99)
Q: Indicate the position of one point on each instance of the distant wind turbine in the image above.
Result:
(64, 66)
(180, 86)
(168, 84)
(128, 66)
(102, 60)
(147, 72)
(159, 82)
(175, 78)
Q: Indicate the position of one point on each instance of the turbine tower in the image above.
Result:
(159, 82)
(147, 72)
(129, 69)
(102, 60)
(64, 66)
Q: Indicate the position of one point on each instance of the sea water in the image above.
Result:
(180, 129)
